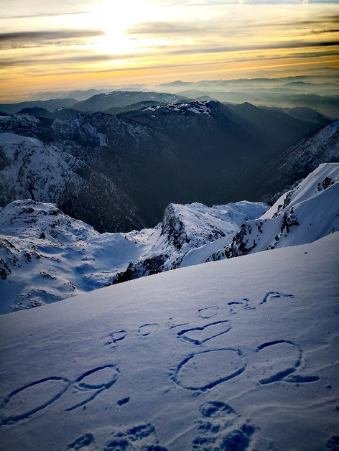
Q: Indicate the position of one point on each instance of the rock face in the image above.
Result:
(299, 160)
(306, 213)
(309, 153)
(185, 233)
(108, 164)
(195, 223)
(46, 255)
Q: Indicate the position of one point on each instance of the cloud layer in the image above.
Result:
(104, 42)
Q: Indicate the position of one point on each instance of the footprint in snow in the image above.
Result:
(333, 443)
(217, 409)
(221, 428)
(138, 437)
(86, 441)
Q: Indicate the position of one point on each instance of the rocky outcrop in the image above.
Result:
(64, 256)
(302, 215)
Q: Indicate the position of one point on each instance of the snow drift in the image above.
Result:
(232, 355)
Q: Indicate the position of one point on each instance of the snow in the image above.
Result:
(310, 152)
(302, 215)
(195, 107)
(61, 255)
(46, 256)
(307, 187)
(232, 355)
(34, 169)
(12, 138)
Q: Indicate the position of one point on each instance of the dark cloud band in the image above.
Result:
(29, 38)
(248, 48)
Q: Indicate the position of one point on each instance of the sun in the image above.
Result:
(115, 19)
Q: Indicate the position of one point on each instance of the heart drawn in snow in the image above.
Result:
(199, 335)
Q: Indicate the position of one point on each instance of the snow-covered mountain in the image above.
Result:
(299, 160)
(302, 215)
(46, 255)
(120, 99)
(309, 153)
(48, 172)
(179, 151)
(238, 354)
(32, 169)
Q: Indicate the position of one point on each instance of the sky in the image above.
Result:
(79, 44)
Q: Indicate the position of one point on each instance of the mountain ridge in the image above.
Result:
(65, 256)
(181, 152)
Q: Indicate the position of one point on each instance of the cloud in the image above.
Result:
(252, 2)
(22, 39)
(219, 28)
(325, 30)
(151, 28)
(45, 60)
(247, 48)
(52, 14)
(38, 8)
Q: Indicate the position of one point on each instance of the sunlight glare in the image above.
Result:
(115, 19)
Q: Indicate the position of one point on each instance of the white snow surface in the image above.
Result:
(310, 152)
(302, 215)
(196, 107)
(238, 354)
(34, 169)
(46, 256)
(307, 188)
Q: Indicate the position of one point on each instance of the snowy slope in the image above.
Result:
(238, 354)
(46, 256)
(195, 107)
(33, 169)
(186, 229)
(300, 159)
(302, 215)
(309, 153)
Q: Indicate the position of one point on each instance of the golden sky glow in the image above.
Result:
(70, 44)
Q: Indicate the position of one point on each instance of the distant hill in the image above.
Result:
(49, 105)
